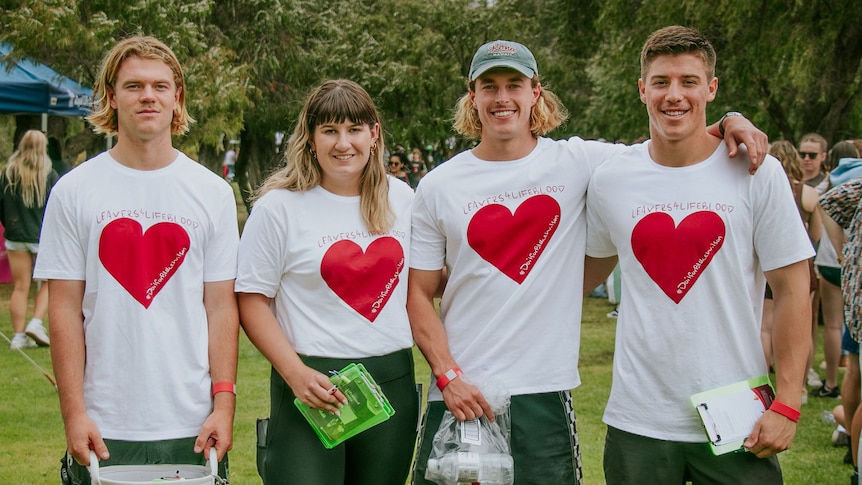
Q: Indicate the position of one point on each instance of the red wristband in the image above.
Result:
(785, 410)
(224, 387)
(448, 377)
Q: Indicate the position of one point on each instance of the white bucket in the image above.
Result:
(141, 474)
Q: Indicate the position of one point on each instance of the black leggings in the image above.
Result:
(293, 454)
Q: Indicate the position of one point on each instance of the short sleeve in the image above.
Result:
(427, 240)
(260, 260)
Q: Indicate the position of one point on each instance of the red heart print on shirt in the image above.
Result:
(514, 242)
(143, 262)
(675, 257)
(364, 281)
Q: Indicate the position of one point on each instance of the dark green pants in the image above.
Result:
(291, 453)
(177, 452)
(630, 458)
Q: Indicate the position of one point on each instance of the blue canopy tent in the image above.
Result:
(30, 87)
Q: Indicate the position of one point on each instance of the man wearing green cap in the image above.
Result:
(507, 221)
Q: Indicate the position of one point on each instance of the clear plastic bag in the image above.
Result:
(475, 451)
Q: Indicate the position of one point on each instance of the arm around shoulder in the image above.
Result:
(737, 130)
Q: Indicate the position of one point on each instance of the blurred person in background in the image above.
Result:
(829, 269)
(812, 153)
(26, 182)
(806, 201)
(229, 164)
(416, 156)
(395, 167)
(847, 414)
(55, 152)
(845, 165)
(842, 209)
(415, 172)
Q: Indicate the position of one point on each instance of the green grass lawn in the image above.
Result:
(31, 431)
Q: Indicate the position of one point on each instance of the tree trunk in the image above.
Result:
(257, 157)
(24, 123)
(86, 141)
(209, 158)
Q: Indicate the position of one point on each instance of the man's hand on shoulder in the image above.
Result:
(737, 130)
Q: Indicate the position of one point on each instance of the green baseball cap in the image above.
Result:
(503, 53)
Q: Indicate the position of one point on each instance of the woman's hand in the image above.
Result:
(316, 390)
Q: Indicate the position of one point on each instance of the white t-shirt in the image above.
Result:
(230, 158)
(512, 236)
(693, 243)
(826, 255)
(145, 242)
(339, 291)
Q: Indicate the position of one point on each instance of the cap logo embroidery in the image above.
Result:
(501, 49)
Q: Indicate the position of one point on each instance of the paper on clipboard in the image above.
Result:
(728, 413)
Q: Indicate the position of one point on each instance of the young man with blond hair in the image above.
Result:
(695, 234)
(139, 246)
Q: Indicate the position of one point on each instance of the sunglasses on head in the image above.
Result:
(811, 155)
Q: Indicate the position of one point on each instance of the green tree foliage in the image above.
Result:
(411, 56)
(72, 36)
(791, 65)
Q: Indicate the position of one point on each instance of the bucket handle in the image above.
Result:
(95, 479)
(213, 462)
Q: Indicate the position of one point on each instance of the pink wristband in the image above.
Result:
(448, 377)
(224, 387)
(785, 410)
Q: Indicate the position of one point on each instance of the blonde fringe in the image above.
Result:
(302, 172)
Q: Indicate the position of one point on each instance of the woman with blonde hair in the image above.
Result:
(26, 182)
(320, 287)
